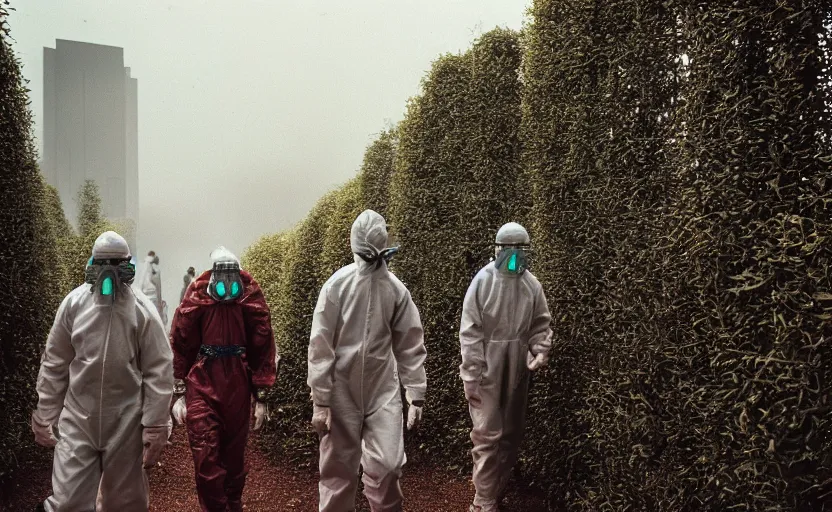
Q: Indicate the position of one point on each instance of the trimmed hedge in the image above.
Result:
(680, 215)
(28, 295)
(43, 260)
(686, 254)
(336, 247)
(596, 150)
(292, 303)
(428, 187)
(496, 187)
(64, 272)
(377, 170)
(752, 220)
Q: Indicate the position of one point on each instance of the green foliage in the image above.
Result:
(752, 218)
(27, 293)
(336, 250)
(89, 209)
(91, 224)
(64, 271)
(42, 261)
(685, 255)
(495, 188)
(293, 261)
(377, 170)
(681, 220)
(595, 154)
(428, 186)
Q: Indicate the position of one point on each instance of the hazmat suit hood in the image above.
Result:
(368, 241)
(223, 255)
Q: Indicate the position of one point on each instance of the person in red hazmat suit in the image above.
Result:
(104, 389)
(223, 354)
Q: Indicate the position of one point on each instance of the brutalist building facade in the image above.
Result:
(90, 128)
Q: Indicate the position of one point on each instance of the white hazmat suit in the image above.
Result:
(366, 338)
(150, 283)
(105, 382)
(503, 334)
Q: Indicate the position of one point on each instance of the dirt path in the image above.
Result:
(269, 487)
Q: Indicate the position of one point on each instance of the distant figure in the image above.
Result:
(151, 282)
(165, 313)
(190, 277)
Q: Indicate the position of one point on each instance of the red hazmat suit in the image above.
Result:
(219, 389)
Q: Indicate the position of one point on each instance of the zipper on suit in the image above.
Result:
(103, 372)
(365, 340)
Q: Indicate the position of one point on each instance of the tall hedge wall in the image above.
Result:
(41, 261)
(672, 162)
(27, 292)
(292, 302)
(376, 171)
(428, 186)
(348, 203)
(752, 217)
(495, 191)
(690, 375)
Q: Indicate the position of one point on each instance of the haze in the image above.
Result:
(250, 111)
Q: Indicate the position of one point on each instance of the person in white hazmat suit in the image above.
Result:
(504, 334)
(366, 339)
(104, 389)
(150, 282)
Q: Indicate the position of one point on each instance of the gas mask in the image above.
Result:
(225, 283)
(386, 255)
(512, 259)
(106, 275)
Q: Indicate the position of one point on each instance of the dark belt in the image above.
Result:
(222, 350)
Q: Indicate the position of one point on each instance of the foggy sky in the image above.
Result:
(249, 111)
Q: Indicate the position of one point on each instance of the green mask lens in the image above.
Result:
(513, 260)
(235, 289)
(512, 263)
(220, 289)
(107, 286)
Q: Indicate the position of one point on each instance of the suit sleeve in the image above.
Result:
(260, 349)
(53, 377)
(540, 334)
(157, 371)
(472, 337)
(409, 348)
(185, 339)
(321, 355)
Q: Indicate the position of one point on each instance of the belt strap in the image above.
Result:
(221, 350)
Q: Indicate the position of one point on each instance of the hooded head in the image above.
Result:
(221, 254)
(368, 240)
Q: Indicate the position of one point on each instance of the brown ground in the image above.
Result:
(270, 487)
